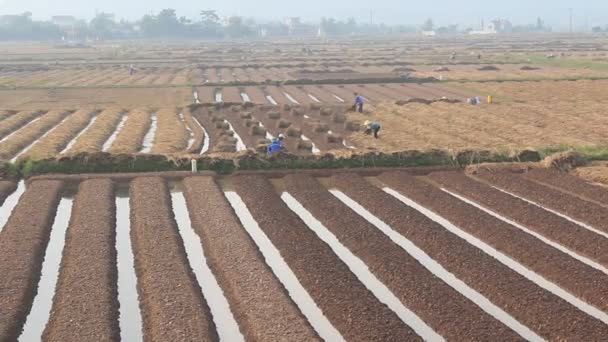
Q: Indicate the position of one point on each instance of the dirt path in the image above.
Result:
(537, 219)
(554, 265)
(445, 310)
(170, 312)
(261, 305)
(546, 314)
(23, 243)
(584, 211)
(87, 294)
(345, 301)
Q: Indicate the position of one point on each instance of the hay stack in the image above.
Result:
(564, 161)
(246, 115)
(273, 115)
(352, 126)
(327, 112)
(338, 118)
(334, 138)
(321, 128)
(305, 145)
(222, 125)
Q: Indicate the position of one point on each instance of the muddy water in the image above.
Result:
(282, 271)
(555, 245)
(504, 259)
(312, 97)
(43, 302)
(18, 130)
(339, 98)
(73, 141)
(438, 270)
(191, 134)
(195, 95)
(268, 135)
(271, 100)
(361, 271)
(42, 137)
(148, 141)
(108, 144)
(582, 224)
(315, 150)
(9, 204)
(290, 98)
(240, 145)
(245, 97)
(227, 327)
(130, 317)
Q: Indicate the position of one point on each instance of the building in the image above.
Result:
(494, 27)
(64, 21)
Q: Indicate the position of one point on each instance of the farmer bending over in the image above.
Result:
(358, 103)
(372, 127)
(276, 144)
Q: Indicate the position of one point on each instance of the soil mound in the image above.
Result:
(564, 161)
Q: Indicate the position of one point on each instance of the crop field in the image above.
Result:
(405, 254)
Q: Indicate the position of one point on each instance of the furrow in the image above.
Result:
(555, 228)
(172, 304)
(23, 242)
(573, 207)
(85, 305)
(260, 304)
(348, 304)
(558, 266)
(446, 310)
(531, 304)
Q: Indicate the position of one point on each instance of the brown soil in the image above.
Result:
(548, 315)
(17, 121)
(172, 304)
(23, 244)
(584, 211)
(6, 189)
(434, 301)
(565, 182)
(534, 218)
(259, 302)
(100, 131)
(560, 268)
(346, 302)
(85, 305)
(130, 138)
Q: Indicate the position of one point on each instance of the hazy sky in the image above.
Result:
(555, 12)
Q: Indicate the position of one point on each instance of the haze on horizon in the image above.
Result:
(463, 12)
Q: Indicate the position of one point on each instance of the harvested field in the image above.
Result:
(172, 135)
(439, 256)
(99, 132)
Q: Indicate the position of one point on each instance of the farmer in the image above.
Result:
(372, 127)
(276, 144)
(358, 103)
(131, 69)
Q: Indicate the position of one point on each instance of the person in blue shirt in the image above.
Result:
(372, 127)
(276, 144)
(358, 103)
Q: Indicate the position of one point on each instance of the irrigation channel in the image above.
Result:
(434, 257)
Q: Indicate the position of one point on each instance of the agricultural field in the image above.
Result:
(438, 255)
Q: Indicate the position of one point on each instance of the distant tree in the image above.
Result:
(596, 29)
(210, 18)
(237, 28)
(428, 25)
(103, 26)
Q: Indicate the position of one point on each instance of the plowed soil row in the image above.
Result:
(445, 310)
(256, 95)
(568, 183)
(99, 132)
(196, 129)
(555, 228)
(584, 211)
(171, 134)
(173, 308)
(23, 243)
(578, 278)
(15, 144)
(261, 305)
(345, 301)
(17, 121)
(85, 306)
(4, 114)
(131, 137)
(203, 116)
(57, 140)
(231, 94)
(6, 189)
(546, 314)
